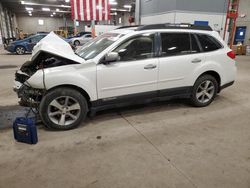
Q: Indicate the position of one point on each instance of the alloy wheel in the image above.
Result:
(64, 110)
(76, 43)
(205, 91)
(20, 50)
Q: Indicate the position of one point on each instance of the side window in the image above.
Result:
(88, 36)
(36, 39)
(137, 48)
(175, 44)
(194, 45)
(208, 43)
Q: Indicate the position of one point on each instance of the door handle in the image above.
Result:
(196, 60)
(150, 66)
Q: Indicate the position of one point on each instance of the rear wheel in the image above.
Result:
(20, 50)
(76, 43)
(63, 109)
(204, 91)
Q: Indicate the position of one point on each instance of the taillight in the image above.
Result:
(231, 54)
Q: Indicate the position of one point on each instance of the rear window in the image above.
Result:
(208, 43)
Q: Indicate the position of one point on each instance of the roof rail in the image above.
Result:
(129, 26)
(174, 26)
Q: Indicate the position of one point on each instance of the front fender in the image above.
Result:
(74, 75)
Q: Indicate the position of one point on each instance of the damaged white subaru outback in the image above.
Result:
(129, 65)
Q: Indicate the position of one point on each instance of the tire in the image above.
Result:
(204, 91)
(63, 109)
(77, 43)
(20, 50)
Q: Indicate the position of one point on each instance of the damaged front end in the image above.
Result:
(28, 95)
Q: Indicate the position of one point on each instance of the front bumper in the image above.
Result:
(29, 97)
(10, 48)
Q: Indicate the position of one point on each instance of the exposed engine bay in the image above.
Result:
(29, 96)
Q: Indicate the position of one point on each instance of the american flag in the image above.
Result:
(86, 10)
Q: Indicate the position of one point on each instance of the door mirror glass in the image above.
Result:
(111, 57)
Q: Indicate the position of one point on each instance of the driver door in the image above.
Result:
(135, 72)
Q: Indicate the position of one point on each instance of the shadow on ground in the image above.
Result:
(8, 114)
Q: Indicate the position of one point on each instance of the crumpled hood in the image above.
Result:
(53, 44)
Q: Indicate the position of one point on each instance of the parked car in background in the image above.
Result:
(26, 45)
(78, 41)
(79, 34)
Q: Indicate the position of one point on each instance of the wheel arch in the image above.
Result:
(81, 90)
(76, 40)
(215, 74)
(20, 45)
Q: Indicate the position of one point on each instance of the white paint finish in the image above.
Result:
(123, 78)
(177, 71)
(55, 45)
(80, 75)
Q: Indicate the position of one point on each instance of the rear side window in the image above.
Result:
(175, 44)
(208, 43)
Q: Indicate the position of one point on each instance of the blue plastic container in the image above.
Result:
(25, 130)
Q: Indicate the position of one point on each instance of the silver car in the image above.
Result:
(78, 41)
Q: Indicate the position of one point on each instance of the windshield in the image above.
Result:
(97, 45)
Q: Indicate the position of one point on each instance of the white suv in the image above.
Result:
(126, 66)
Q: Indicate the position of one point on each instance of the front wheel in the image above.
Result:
(77, 43)
(20, 50)
(204, 91)
(63, 109)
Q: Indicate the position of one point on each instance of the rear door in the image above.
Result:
(179, 57)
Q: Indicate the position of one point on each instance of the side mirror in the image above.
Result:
(111, 57)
